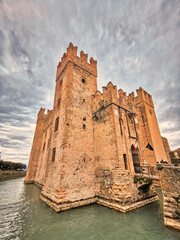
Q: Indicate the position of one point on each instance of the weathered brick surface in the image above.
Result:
(170, 179)
(95, 135)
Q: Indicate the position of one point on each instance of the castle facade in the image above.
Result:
(90, 146)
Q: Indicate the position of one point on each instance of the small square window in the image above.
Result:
(83, 80)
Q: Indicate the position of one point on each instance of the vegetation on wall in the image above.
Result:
(139, 179)
(159, 167)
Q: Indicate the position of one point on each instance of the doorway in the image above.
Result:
(136, 161)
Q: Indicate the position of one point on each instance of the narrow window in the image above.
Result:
(60, 83)
(125, 161)
(84, 119)
(45, 134)
(84, 126)
(53, 154)
(44, 146)
(56, 124)
(58, 102)
(120, 120)
(83, 80)
(83, 100)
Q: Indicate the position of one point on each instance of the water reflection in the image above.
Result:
(24, 216)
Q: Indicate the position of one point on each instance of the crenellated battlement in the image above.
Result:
(122, 96)
(112, 95)
(43, 115)
(143, 96)
(82, 60)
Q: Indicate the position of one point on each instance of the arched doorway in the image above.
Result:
(135, 158)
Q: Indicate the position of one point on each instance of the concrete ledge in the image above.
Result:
(105, 202)
(126, 208)
(67, 205)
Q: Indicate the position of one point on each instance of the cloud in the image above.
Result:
(135, 42)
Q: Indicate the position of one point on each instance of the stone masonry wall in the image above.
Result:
(170, 179)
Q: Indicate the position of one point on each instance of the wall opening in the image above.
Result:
(83, 80)
(53, 154)
(84, 126)
(84, 119)
(56, 124)
(125, 161)
(44, 146)
(120, 123)
(136, 161)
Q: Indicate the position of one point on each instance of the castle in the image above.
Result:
(89, 147)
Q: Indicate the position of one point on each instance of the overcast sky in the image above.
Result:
(136, 43)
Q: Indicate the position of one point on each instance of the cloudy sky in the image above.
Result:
(136, 43)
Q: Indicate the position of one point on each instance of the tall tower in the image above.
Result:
(71, 174)
(149, 128)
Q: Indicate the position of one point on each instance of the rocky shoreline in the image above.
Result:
(5, 175)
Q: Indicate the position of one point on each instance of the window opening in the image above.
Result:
(120, 123)
(53, 154)
(56, 124)
(125, 161)
(44, 146)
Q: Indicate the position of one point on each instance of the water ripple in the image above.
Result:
(23, 216)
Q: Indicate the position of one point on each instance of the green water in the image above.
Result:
(24, 216)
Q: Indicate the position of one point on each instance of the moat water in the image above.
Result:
(24, 216)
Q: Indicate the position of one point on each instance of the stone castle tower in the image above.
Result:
(83, 151)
